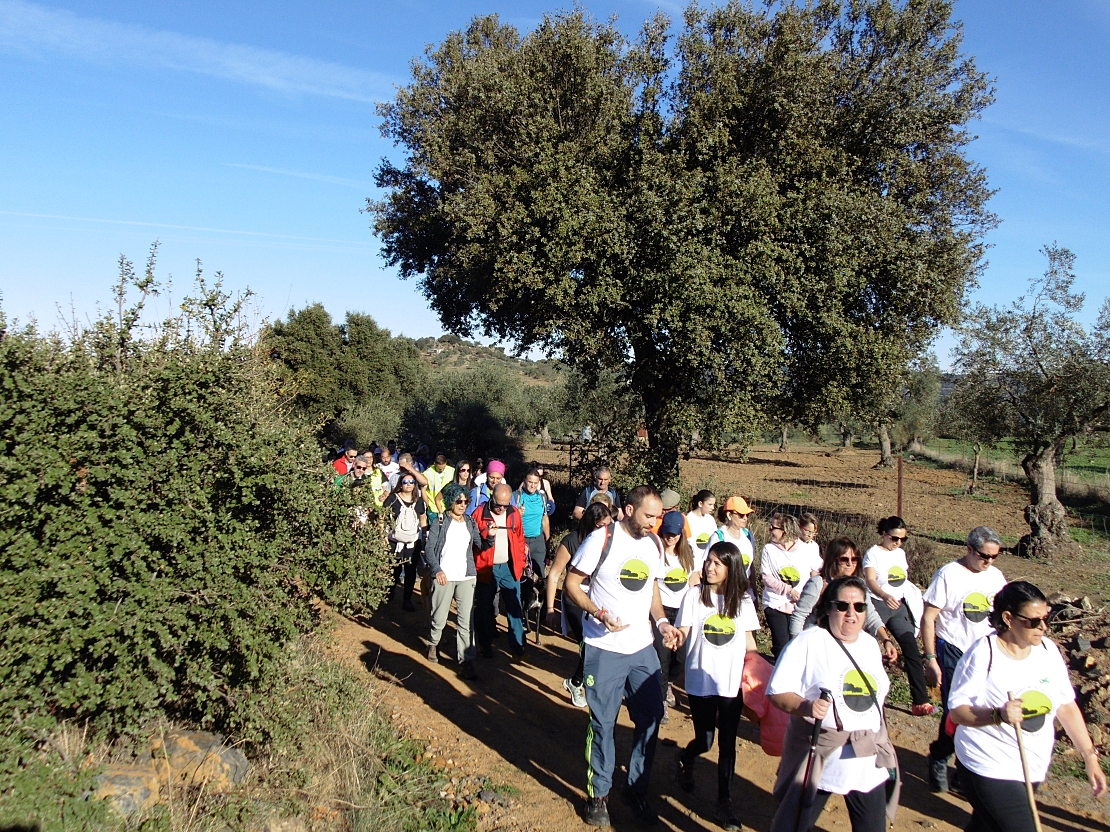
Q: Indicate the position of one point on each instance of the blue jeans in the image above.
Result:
(485, 619)
(947, 657)
(611, 677)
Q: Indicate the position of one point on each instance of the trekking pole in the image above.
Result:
(1025, 774)
(826, 694)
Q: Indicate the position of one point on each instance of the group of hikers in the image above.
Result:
(654, 595)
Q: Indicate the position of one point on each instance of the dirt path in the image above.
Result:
(516, 726)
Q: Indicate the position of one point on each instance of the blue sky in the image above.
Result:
(244, 134)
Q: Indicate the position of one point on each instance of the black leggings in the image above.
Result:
(779, 625)
(706, 712)
(405, 561)
(672, 663)
(901, 626)
(866, 810)
(998, 805)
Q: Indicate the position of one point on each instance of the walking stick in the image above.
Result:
(826, 694)
(1025, 774)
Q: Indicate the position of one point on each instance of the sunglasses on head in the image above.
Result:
(858, 606)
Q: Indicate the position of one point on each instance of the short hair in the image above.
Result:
(385, 452)
(600, 468)
(348, 444)
(365, 458)
(441, 458)
(889, 524)
(832, 593)
(532, 472)
(982, 535)
(603, 498)
(640, 493)
(405, 457)
(835, 549)
(808, 518)
(451, 492)
(1011, 598)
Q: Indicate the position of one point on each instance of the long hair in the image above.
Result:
(736, 584)
(832, 593)
(842, 545)
(699, 498)
(1011, 598)
(455, 479)
(591, 517)
(791, 531)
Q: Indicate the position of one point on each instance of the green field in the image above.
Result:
(1089, 463)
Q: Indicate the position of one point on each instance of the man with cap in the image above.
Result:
(499, 567)
(670, 499)
(495, 473)
(602, 479)
(623, 562)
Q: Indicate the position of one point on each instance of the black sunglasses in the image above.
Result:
(902, 539)
(497, 505)
(984, 555)
(858, 606)
(1032, 623)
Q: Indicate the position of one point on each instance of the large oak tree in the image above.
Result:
(769, 216)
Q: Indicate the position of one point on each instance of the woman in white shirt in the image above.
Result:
(854, 757)
(678, 563)
(786, 566)
(887, 572)
(735, 531)
(717, 625)
(701, 518)
(1017, 659)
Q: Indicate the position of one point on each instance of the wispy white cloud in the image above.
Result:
(36, 30)
(1079, 142)
(316, 177)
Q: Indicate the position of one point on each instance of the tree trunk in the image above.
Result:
(785, 438)
(545, 437)
(975, 468)
(845, 436)
(1047, 518)
(886, 458)
(660, 463)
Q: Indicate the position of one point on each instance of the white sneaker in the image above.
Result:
(577, 693)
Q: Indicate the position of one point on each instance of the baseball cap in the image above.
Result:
(670, 498)
(673, 523)
(739, 505)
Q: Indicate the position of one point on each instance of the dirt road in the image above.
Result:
(516, 726)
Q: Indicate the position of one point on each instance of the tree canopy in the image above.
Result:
(777, 201)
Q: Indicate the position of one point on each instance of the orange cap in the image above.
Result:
(739, 505)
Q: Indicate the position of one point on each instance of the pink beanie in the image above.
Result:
(495, 466)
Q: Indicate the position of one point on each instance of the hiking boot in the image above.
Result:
(597, 811)
(938, 775)
(577, 693)
(433, 653)
(684, 773)
(468, 671)
(669, 699)
(407, 605)
(924, 709)
(725, 818)
(639, 806)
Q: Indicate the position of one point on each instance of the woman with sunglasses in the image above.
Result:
(842, 560)
(452, 542)
(678, 565)
(785, 566)
(833, 673)
(886, 571)
(1017, 659)
(464, 476)
(717, 625)
(957, 614)
(409, 525)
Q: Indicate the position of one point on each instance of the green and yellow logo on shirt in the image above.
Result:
(790, 575)
(1035, 706)
(896, 576)
(855, 692)
(977, 607)
(702, 539)
(718, 630)
(634, 574)
(675, 579)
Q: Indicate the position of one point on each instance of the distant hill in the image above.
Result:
(452, 353)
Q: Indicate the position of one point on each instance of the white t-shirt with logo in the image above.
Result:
(623, 586)
(791, 567)
(452, 560)
(891, 568)
(743, 543)
(810, 555)
(673, 582)
(965, 599)
(716, 646)
(1040, 681)
(701, 527)
(812, 660)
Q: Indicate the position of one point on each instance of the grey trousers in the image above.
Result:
(462, 593)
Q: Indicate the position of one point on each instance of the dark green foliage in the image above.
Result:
(767, 222)
(164, 529)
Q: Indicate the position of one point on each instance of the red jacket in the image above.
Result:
(518, 549)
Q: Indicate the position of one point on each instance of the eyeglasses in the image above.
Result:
(858, 606)
(847, 560)
(408, 482)
(361, 467)
(500, 506)
(984, 555)
(901, 539)
(462, 501)
(464, 470)
(777, 529)
(1033, 623)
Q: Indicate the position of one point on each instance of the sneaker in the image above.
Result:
(407, 605)
(433, 654)
(468, 671)
(669, 699)
(577, 693)
(938, 775)
(666, 716)
(684, 774)
(725, 819)
(640, 807)
(597, 811)
(924, 709)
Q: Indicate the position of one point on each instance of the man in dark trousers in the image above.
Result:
(499, 566)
